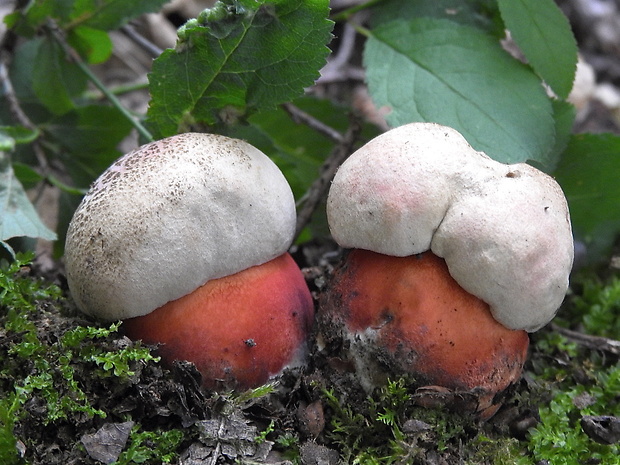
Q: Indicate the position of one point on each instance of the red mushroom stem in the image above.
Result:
(407, 315)
(238, 330)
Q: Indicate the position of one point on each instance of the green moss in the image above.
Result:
(559, 437)
(497, 451)
(288, 444)
(151, 446)
(41, 365)
(576, 380)
(598, 307)
(376, 431)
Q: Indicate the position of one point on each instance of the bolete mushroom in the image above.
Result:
(186, 239)
(456, 257)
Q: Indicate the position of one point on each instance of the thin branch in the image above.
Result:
(100, 85)
(591, 342)
(301, 117)
(338, 68)
(345, 73)
(139, 84)
(346, 14)
(142, 41)
(347, 46)
(320, 186)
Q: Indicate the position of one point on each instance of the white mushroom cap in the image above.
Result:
(503, 230)
(170, 216)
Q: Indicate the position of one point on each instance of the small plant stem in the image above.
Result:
(115, 101)
(140, 40)
(99, 85)
(346, 14)
(117, 90)
(54, 181)
(362, 30)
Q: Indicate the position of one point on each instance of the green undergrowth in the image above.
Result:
(42, 367)
(596, 307)
(581, 381)
(388, 428)
(560, 437)
(566, 385)
(151, 446)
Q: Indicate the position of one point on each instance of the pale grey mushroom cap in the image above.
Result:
(503, 230)
(170, 216)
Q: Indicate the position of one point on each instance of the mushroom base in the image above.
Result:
(239, 330)
(406, 316)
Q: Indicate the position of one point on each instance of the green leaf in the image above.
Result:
(101, 14)
(564, 116)
(21, 70)
(297, 149)
(91, 128)
(439, 71)
(236, 59)
(588, 173)
(47, 80)
(27, 175)
(89, 136)
(93, 44)
(55, 79)
(544, 35)
(112, 14)
(12, 135)
(25, 21)
(18, 216)
(482, 14)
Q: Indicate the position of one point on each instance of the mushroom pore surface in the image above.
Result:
(170, 216)
(503, 230)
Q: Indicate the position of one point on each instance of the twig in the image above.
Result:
(328, 170)
(142, 41)
(339, 68)
(589, 341)
(301, 117)
(100, 85)
(347, 46)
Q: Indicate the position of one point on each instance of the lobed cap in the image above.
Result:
(503, 230)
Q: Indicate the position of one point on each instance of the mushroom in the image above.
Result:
(456, 257)
(186, 239)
